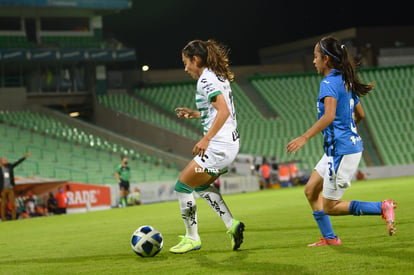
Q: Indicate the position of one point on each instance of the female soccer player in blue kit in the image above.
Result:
(338, 100)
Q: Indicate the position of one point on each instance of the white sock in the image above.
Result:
(189, 213)
(216, 202)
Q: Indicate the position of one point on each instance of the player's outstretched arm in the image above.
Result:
(330, 110)
(188, 113)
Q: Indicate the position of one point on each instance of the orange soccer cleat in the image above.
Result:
(325, 242)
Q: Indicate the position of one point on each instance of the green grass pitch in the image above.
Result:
(279, 225)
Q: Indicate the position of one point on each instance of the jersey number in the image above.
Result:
(232, 111)
(330, 171)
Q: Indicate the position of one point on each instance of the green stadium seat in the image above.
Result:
(387, 118)
(15, 42)
(135, 108)
(70, 42)
(67, 152)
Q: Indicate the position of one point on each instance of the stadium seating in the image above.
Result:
(73, 42)
(15, 42)
(138, 109)
(64, 152)
(388, 109)
(61, 41)
(390, 112)
(293, 99)
(168, 96)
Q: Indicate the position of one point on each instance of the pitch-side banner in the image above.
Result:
(83, 197)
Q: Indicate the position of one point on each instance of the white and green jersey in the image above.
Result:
(209, 86)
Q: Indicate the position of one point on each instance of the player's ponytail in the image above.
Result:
(212, 55)
(341, 59)
(218, 60)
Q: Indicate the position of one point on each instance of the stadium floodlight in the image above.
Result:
(145, 68)
(74, 114)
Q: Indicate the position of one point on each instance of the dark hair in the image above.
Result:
(212, 55)
(341, 59)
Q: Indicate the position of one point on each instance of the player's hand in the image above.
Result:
(184, 113)
(28, 154)
(294, 145)
(201, 147)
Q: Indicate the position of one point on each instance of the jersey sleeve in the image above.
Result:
(327, 89)
(209, 88)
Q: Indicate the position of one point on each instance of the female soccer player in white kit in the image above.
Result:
(338, 98)
(207, 62)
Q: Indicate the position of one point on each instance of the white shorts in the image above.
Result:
(337, 173)
(217, 157)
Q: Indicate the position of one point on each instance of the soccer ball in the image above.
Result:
(146, 241)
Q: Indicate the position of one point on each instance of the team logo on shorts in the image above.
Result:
(207, 170)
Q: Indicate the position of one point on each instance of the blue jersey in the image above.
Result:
(341, 136)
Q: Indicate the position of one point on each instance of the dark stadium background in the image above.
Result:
(159, 29)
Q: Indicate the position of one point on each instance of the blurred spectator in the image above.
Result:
(30, 205)
(51, 204)
(122, 175)
(284, 175)
(62, 201)
(134, 197)
(360, 175)
(32, 208)
(7, 185)
(293, 171)
(265, 173)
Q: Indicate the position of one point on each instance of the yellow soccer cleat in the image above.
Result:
(185, 245)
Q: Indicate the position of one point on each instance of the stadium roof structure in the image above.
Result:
(372, 38)
(94, 4)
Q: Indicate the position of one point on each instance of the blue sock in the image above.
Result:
(358, 208)
(324, 223)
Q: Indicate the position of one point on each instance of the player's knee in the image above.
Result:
(307, 193)
(310, 194)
